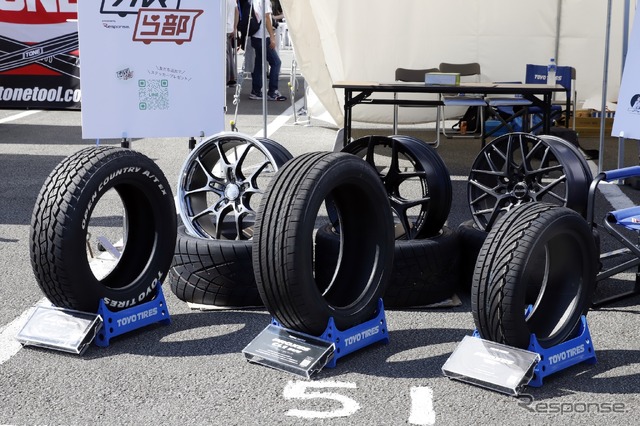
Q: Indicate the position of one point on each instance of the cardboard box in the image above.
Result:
(584, 113)
(448, 78)
(590, 126)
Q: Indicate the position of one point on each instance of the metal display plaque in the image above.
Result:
(289, 351)
(491, 365)
(60, 329)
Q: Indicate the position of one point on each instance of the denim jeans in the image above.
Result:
(274, 65)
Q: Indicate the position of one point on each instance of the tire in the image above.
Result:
(213, 272)
(62, 217)
(542, 246)
(471, 240)
(416, 179)
(425, 271)
(283, 244)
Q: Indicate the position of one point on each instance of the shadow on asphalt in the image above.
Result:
(21, 177)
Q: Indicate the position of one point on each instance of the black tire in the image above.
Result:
(213, 272)
(471, 239)
(425, 271)
(283, 243)
(540, 245)
(62, 215)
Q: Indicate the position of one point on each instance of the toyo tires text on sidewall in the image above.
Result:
(63, 212)
(283, 243)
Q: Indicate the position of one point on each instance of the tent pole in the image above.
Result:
(558, 23)
(605, 73)
(264, 69)
(625, 34)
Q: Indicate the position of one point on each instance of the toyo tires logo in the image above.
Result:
(126, 7)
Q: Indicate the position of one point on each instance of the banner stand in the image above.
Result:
(304, 355)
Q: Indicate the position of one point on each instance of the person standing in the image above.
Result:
(272, 56)
(233, 15)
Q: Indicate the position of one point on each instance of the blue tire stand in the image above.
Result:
(354, 338)
(566, 354)
(133, 318)
(562, 356)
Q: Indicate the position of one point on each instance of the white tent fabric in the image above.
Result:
(366, 40)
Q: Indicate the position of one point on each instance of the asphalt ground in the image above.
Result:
(193, 372)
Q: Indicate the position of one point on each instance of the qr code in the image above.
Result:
(153, 94)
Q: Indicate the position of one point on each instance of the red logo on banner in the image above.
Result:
(38, 11)
(165, 25)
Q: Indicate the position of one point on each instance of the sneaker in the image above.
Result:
(276, 96)
(257, 96)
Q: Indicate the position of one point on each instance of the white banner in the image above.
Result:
(152, 71)
(627, 118)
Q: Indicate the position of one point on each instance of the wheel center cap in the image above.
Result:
(520, 190)
(232, 191)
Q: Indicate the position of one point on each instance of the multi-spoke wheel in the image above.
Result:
(518, 168)
(222, 181)
(416, 180)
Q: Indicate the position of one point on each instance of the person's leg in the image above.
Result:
(274, 73)
(231, 60)
(256, 75)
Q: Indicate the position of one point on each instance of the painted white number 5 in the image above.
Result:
(298, 390)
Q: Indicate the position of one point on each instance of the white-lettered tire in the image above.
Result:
(63, 214)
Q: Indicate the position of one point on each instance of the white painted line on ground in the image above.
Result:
(9, 346)
(19, 116)
(298, 390)
(280, 120)
(422, 412)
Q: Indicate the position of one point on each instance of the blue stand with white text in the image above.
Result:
(133, 318)
(566, 354)
(354, 338)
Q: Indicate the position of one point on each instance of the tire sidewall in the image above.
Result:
(575, 226)
(361, 309)
(144, 177)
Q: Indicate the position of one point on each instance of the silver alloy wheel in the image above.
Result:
(222, 181)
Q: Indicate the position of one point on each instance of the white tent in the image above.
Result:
(366, 40)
